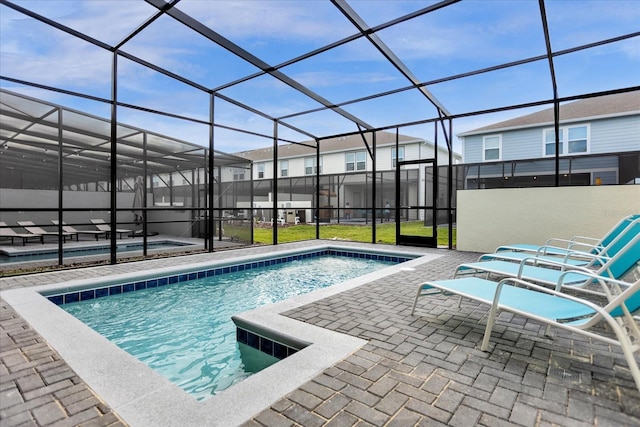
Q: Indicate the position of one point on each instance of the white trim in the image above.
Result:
(565, 140)
(548, 123)
(484, 149)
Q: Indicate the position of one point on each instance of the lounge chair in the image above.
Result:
(103, 226)
(72, 230)
(592, 259)
(576, 243)
(553, 308)
(7, 232)
(549, 273)
(32, 228)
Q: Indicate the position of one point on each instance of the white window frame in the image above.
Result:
(361, 160)
(260, 168)
(284, 168)
(309, 165)
(565, 142)
(357, 160)
(238, 174)
(395, 157)
(485, 148)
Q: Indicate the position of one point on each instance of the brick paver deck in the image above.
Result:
(415, 370)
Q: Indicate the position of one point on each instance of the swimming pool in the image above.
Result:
(184, 330)
(36, 254)
(141, 396)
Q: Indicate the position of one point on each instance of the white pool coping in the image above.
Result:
(142, 397)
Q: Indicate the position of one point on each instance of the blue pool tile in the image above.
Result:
(279, 350)
(102, 292)
(241, 336)
(253, 340)
(72, 297)
(87, 295)
(266, 346)
(151, 283)
(56, 299)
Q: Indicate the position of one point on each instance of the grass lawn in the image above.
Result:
(385, 233)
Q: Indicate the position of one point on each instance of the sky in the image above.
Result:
(461, 38)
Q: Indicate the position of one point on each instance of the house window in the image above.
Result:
(492, 148)
(284, 168)
(260, 170)
(310, 166)
(550, 142)
(238, 174)
(356, 161)
(576, 137)
(397, 156)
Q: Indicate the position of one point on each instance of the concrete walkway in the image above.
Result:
(415, 370)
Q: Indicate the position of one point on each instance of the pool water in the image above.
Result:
(185, 332)
(41, 255)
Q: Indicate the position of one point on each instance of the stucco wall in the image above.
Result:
(487, 219)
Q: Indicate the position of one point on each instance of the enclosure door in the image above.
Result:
(418, 227)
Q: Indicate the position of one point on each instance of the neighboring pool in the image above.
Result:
(50, 254)
(181, 325)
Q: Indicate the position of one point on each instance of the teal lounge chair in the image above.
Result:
(593, 259)
(554, 246)
(549, 273)
(553, 308)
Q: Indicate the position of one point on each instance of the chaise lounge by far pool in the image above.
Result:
(142, 397)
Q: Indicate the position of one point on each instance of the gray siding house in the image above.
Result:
(599, 144)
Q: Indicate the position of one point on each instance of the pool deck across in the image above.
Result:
(403, 370)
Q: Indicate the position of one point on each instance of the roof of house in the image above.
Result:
(352, 142)
(603, 106)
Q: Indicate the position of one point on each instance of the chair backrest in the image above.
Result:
(627, 258)
(65, 228)
(31, 227)
(625, 236)
(611, 235)
(101, 225)
(5, 230)
(630, 298)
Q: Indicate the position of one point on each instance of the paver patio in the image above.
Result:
(425, 369)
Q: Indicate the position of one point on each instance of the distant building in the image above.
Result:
(345, 168)
(599, 144)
